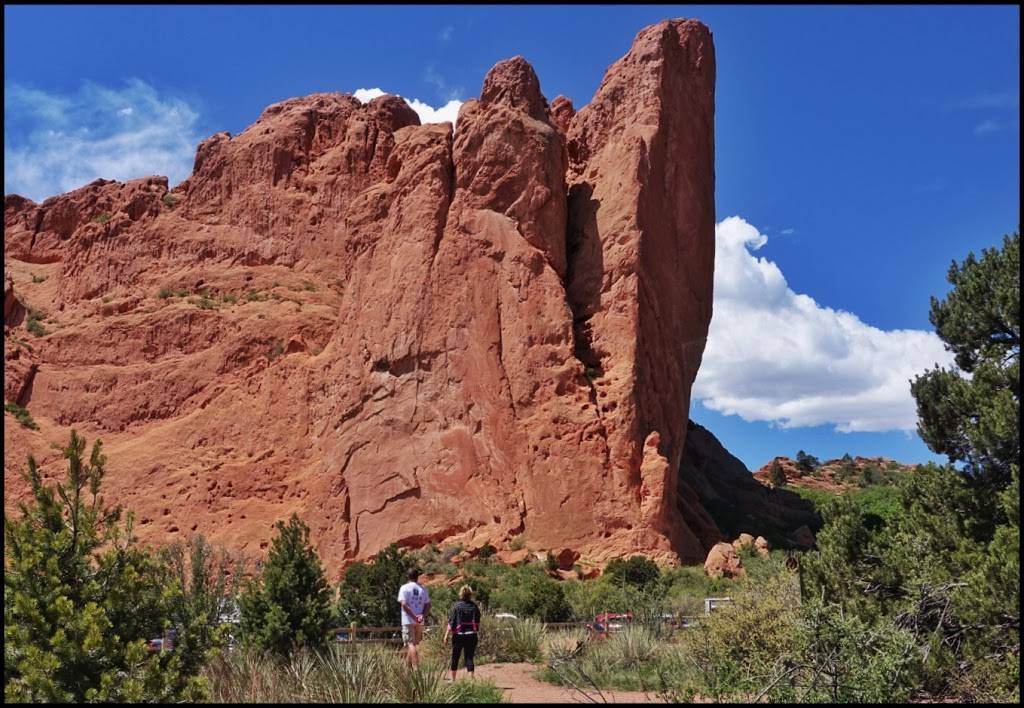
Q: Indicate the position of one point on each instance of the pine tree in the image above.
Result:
(975, 419)
(288, 605)
(776, 475)
(81, 599)
(805, 463)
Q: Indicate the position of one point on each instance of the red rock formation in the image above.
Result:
(400, 335)
(829, 475)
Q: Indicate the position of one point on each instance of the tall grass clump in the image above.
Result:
(511, 640)
(339, 674)
(633, 646)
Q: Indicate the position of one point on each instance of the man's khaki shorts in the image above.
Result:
(412, 634)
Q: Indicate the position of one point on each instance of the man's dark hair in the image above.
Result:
(413, 574)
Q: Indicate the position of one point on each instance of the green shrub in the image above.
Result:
(21, 414)
(486, 551)
(101, 218)
(638, 571)
(367, 592)
(288, 604)
(38, 278)
(165, 293)
(517, 543)
(169, 200)
(230, 299)
(527, 591)
(203, 303)
(768, 648)
(550, 562)
(33, 323)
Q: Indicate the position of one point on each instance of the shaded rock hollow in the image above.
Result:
(403, 334)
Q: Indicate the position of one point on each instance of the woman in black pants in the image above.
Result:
(463, 625)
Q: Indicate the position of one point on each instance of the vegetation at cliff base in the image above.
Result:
(81, 599)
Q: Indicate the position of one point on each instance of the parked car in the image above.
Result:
(505, 616)
(613, 621)
(164, 643)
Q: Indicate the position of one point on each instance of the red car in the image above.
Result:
(610, 622)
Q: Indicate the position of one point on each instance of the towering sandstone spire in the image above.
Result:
(402, 334)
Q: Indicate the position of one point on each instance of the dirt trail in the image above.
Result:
(521, 687)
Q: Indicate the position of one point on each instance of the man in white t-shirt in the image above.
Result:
(415, 603)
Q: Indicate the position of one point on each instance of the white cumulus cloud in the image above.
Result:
(776, 355)
(114, 133)
(448, 113)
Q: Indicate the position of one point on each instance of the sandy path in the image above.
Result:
(521, 687)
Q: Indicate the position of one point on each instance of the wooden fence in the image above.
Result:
(393, 635)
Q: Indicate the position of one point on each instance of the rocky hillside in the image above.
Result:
(400, 332)
(837, 475)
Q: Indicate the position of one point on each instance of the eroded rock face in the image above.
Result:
(402, 335)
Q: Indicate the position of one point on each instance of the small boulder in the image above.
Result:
(761, 544)
(745, 539)
(513, 557)
(723, 561)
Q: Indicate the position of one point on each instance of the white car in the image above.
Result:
(505, 616)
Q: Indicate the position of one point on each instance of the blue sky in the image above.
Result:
(862, 148)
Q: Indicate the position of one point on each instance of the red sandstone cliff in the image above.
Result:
(399, 334)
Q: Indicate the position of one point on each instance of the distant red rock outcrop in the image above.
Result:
(400, 333)
(836, 475)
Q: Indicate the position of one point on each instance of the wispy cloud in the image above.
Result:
(445, 91)
(61, 142)
(446, 34)
(447, 113)
(988, 101)
(787, 232)
(776, 355)
(936, 185)
(988, 126)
